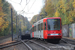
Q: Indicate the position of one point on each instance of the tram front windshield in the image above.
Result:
(53, 24)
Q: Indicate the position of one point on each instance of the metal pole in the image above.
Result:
(24, 25)
(20, 30)
(16, 25)
(12, 23)
(20, 25)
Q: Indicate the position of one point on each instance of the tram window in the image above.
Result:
(41, 26)
(45, 25)
(32, 29)
(35, 28)
(38, 26)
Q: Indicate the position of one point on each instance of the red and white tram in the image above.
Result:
(47, 28)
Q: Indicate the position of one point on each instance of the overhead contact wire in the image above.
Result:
(31, 6)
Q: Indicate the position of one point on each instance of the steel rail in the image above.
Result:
(71, 45)
(9, 44)
(41, 45)
(26, 44)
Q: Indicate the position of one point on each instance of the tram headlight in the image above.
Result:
(54, 34)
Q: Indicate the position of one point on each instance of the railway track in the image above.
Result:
(9, 44)
(67, 42)
(26, 45)
(32, 45)
(37, 44)
(62, 45)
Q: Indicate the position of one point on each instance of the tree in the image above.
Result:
(74, 4)
(49, 8)
(3, 23)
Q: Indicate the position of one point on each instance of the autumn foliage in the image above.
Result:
(59, 8)
(5, 20)
(3, 23)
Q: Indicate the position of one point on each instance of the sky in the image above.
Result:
(27, 8)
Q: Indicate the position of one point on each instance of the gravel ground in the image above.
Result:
(8, 39)
(16, 47)
(5, 39)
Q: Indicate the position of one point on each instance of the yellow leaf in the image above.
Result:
(56, 14)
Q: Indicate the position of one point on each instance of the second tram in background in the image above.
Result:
(47, 28)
